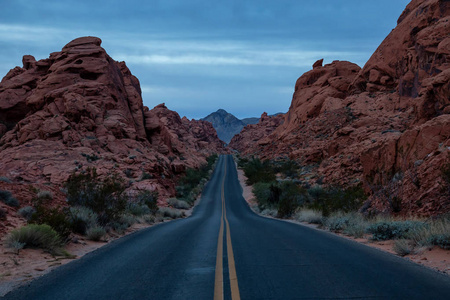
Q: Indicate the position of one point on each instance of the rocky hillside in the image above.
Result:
(226, 124)
(79, 108)
(254, 134)
(386, 125)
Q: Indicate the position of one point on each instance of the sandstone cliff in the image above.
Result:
(79, 108)
(386, 125)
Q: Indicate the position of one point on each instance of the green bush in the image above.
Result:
(26, 212)
(148, 198)
(289, 168)
(188, 185)
(55, 218)
(257, 171)
(36, 236)
(353, 223)
(388, 230)
(95, 233)
(105, 197)
(137, 209)
(7, 198)
(82, 218)
(334, 198)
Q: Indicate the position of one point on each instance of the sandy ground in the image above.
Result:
(435, 258)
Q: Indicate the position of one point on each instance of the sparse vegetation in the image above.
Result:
(389, 230)
(310, 216)
(104, 196)
(3, 214)
(26, 212)
(192, 183)
(180, 204)
(403, 247)
(35, 236)
(82, 219)
(53, 217)
(5, 179)
(170, 212)
(7, 198)
(95, 233)
(45, 195)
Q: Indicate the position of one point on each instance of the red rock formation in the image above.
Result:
(79, 108)
(386, 125)
(253, 134)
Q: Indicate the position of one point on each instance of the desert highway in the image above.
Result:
(225, 251)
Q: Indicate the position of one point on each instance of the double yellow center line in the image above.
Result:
(218, 285)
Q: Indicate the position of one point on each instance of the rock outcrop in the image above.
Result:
(385, 125)
(255, 133)
(79, 108)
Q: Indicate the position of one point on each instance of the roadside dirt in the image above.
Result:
(435, 258)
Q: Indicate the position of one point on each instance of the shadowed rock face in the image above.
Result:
(386, 125)
(79, 108)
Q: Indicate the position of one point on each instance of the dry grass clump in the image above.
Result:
(309, 216)
(35, 236)
(180, 204)
(169, 212)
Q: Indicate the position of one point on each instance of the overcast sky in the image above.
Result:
(201, 55)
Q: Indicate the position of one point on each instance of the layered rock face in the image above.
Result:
(253, 134)
(386, 125)
(79, 108)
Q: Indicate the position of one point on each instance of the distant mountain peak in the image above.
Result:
(226, 124)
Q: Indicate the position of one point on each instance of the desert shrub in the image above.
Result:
(26, 212)
(36, 236)
(334, 198)
(386, 230)
(445, 175)
(288, 168)
(353, 223)
(3, 214)
(436, 232)
(45, 195)
(127, 220)
(95, 233)
(145, 176)
(291, 196)
(180, 204)
(172, 213)
(7, 198)
(149, 219)
(403, 247)
(55, 218)
(310, 216)
(81, 219)
(105, 197)
(190, 185)
(137, 209)
(148, 198)
(257, 171)
(5, 179)
(261, 190)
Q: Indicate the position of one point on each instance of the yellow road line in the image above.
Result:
(218, 286)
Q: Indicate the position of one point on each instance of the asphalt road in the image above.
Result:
(225, 250)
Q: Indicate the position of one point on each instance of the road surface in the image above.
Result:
(225, 251)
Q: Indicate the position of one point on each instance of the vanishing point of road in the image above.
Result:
(225, 251)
